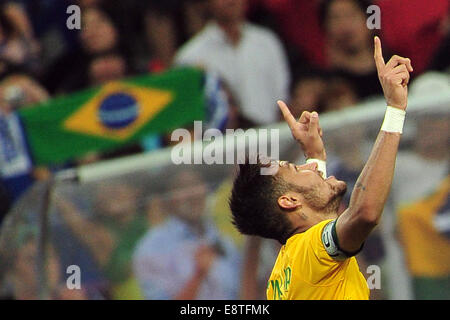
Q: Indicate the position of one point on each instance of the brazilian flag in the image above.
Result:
(115, 114)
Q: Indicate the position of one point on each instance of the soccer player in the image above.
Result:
(298, 205)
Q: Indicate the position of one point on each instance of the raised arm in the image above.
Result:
(373, 185)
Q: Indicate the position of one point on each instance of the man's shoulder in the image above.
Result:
(261, 33)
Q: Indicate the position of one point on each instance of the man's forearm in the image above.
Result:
(369, 194)
(373, 185)
(374, 182)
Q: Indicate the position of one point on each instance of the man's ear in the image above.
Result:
(289, 202)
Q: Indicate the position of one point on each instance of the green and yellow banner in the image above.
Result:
(115, 114)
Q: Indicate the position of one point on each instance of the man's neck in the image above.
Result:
(232, 30)
(308, 221)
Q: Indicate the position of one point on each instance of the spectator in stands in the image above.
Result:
(168, 24)
(22, 273)
(19, 90)
(110, 233)
(161, 34)
(422, 203)
(155, 210)
(15, 12)
(348, 44)
(339, 94)
(321, 92)
(307, 93)
(19, 50)
(44, 25)
(185, 257)
(107, 67)
(99, 35)
(16, 169)
(249, 58)
(195, 16)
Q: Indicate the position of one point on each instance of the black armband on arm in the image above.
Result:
(331, 243)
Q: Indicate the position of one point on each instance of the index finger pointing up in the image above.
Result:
(378, 54)
(287, 114)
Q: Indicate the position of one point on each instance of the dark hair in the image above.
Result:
(325, 5)
(254, 206)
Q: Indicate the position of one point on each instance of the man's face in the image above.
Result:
(117, 201)
(318, 193)
(346, 25)
(228, 10)
(188, 197)
(307, 95)
(98, 33)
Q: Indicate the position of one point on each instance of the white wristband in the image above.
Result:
(321, 166)
(393, 120)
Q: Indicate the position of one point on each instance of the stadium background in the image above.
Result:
(86, 175)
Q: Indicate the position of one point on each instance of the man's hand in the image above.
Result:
(306, 131)
(394, 77)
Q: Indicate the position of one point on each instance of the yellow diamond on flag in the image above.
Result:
(118, 111)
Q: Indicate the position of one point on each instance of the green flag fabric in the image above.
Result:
(115, 114)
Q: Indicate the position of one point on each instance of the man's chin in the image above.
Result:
(339, 186)
(342, 188)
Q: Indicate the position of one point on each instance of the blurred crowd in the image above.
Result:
(315, 54)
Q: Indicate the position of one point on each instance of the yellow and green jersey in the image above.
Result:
(304, 270)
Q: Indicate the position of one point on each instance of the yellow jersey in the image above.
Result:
(305, 271)
(427, 250)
